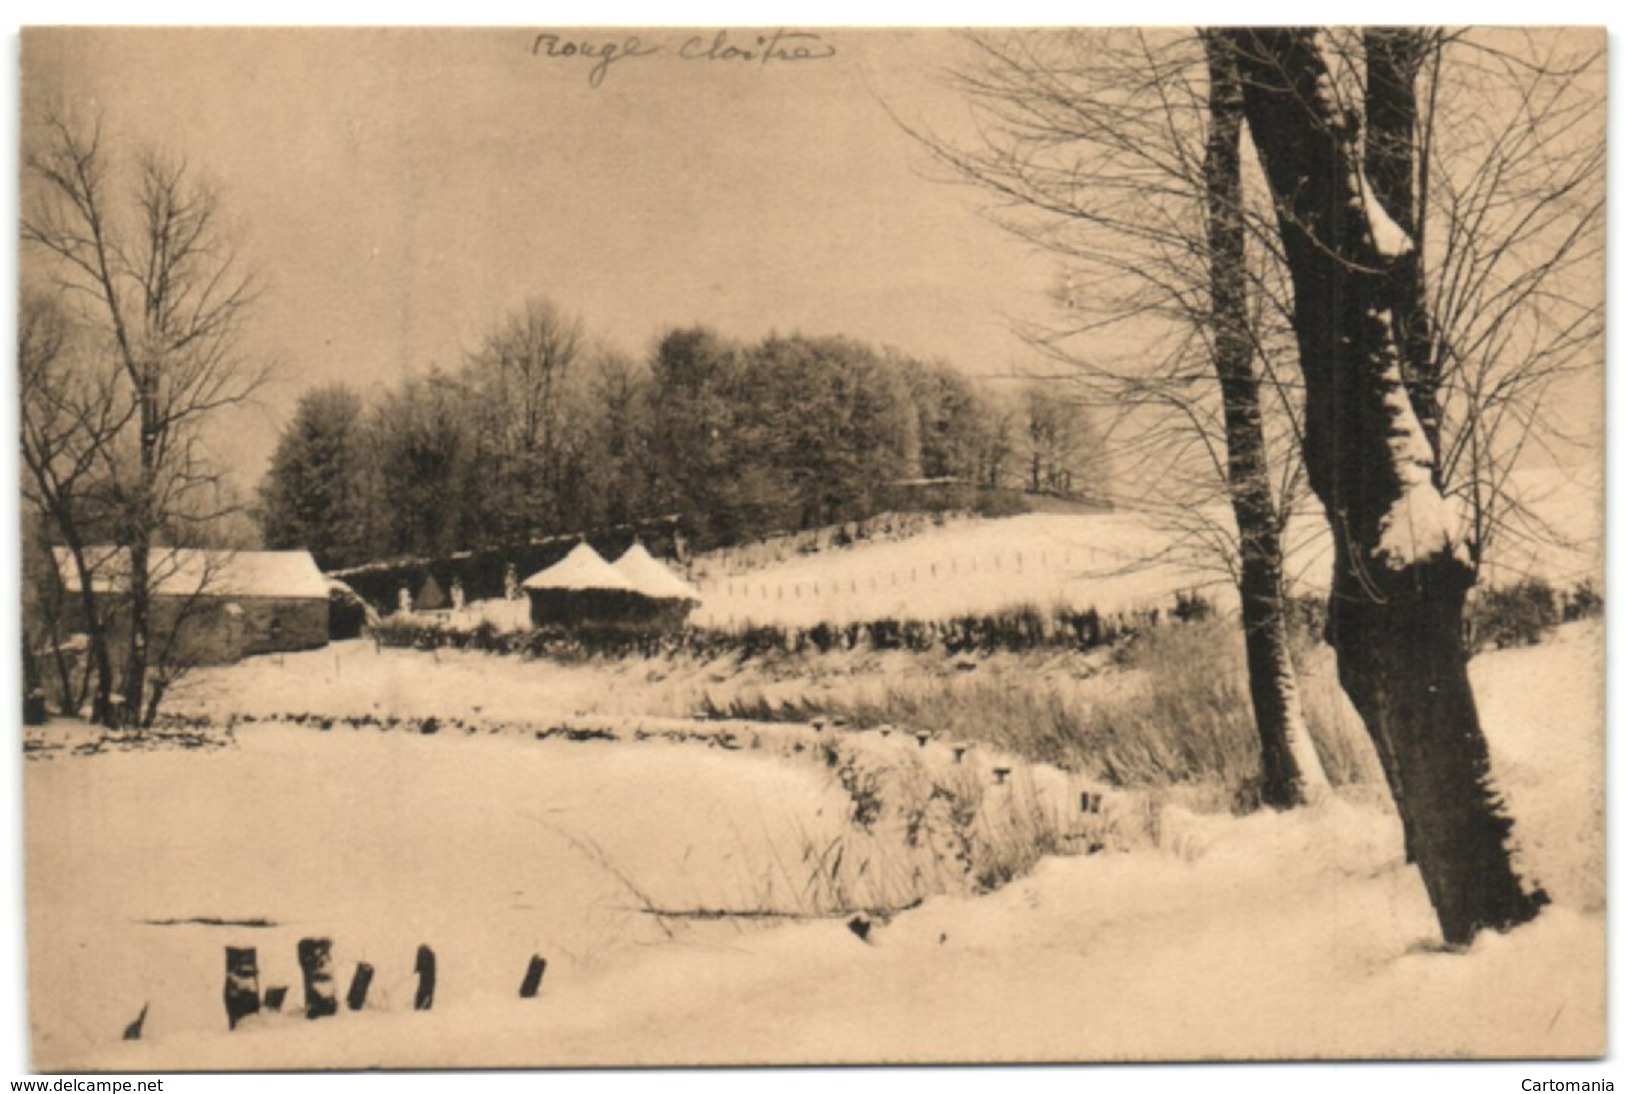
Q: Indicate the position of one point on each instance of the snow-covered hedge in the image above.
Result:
(1015, 629)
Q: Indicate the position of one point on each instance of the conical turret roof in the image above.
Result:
(583, 568)
(651, 577)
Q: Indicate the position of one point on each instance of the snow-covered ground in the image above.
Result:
(358, 678)
(1293, 935)
(488, 848)
(1110, 561)
(1113, 562)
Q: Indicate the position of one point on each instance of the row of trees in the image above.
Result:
(129, 350)
(543, 431)
(1375, 305)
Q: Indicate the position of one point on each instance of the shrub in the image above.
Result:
(999, 503)
(1513, 615)
(885, 634)
(1189, 607)
(1582, 602)
(410, 631)
(916, 829)
(759, 639)
(1306, 620)
(1019, 628)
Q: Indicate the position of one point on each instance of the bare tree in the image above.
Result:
(71, 416)
(182, 638)
(140, 253)
(1061, 451)
(1486, 147)
(1108, 148)
(1118, 152)
(520, 373)
(1508, 172)
(1401, 566)
(1291, 768)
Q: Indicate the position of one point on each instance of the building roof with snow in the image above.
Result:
(185, 571)
(583, 568)
(653, 578)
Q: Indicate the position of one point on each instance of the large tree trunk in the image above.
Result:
(1291, 769)
(141, 535)
(1394, 58)
(101, 702)
(33, 686)
(98, 656)
(135, 665)
(98, 660)
(1400, 572)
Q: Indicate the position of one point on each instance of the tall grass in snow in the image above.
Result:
(918, 827)
(1172, 711)
(912, 824)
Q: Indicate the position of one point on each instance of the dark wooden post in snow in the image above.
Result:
(359, 983)
(1400, 569)
(533, 977)
(242, 993)
(132, 1032)
(424, 1000)
(316, 964)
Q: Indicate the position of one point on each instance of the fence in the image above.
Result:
(737, 583)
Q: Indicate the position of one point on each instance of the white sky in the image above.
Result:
(400, 190)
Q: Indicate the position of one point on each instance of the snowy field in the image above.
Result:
(966, 566)
(358, 679)
(1294, 935)
(1112, 562)
(489, 849)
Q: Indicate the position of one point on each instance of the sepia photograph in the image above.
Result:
(612, 547)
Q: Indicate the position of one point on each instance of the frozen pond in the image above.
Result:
(487, 848)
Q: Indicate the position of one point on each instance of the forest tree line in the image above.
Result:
(544, 430)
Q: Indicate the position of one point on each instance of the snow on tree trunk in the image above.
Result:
(1291, 769)
(1400, 575)
(1394, 59)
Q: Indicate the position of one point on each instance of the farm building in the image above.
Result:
(672, 597)
(212, 607)
(347, 614)
(484, 572)
(583, 589)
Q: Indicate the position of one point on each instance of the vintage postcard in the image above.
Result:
(610, 547)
